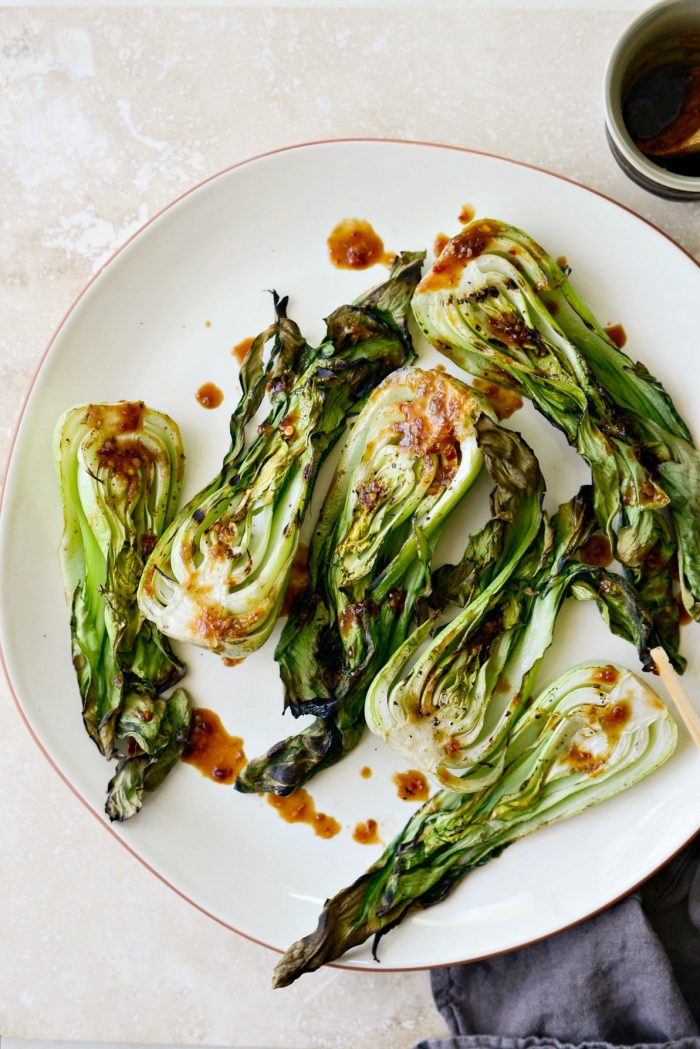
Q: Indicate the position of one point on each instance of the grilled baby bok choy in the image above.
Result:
(498, 305)
(412, 455)
(449, 705)
(120, 472)
(217, 577)
(596, 731)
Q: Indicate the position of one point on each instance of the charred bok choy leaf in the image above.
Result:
(592, 734)
(217, 577)
(449, 706)
(411, 456)
(120, 472)
(499, 306)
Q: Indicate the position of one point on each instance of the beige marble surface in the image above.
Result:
(105, 115)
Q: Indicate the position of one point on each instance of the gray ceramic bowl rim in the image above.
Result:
(613, 117)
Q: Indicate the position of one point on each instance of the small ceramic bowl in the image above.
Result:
(657, 26)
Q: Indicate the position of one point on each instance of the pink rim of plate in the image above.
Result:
(98, 273)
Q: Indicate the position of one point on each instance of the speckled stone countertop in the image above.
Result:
(106, 115)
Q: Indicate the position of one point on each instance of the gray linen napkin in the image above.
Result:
(629, 976)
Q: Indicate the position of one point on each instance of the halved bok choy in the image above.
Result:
(411, 457)
(217, 578)
(497, 304)
(449, 703)
(120, 472)
(593, 733)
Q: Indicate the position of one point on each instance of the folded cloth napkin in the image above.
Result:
(627, 977)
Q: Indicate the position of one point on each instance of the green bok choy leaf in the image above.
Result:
(120, 473)
(449, 705)
(593, 733)
(412, 455)
(499, 306)
(217, 577)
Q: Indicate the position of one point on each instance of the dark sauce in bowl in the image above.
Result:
(661, 101)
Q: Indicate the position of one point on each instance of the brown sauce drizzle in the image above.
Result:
(411, 785)
(240, 350)
(125, 416)
(210, 748)
(466, 214)
(209, 395)
(504, 401)
(440, 243)
(432, 421)
(607, 675)
(228, 662)
(354, 245)
(597, 551)
(366, 833)
(612, 720)
(447, 270)
(365, 772)
(299, 808)
(617, 334)
(125, 459)
(298, 580)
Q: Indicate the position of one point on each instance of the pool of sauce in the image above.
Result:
(218, 755)
(617, 334)
(298, 580)
(466, 214)
(209, 395)
(505, 402)
(597, 551)
(354, 245)
(366, 833)
(299, 807)
(240, 350)
(365, 772)
(411, 785)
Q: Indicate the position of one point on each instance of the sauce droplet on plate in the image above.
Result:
(211, 749)
(207, 324)
(617, 334)
(365, 772)
(440, 243)
(411, 785)
(466, 214)
(366, 833)
(354, 245)
(240, 350)
(228, 662)
(209, 395)
(299, 808)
